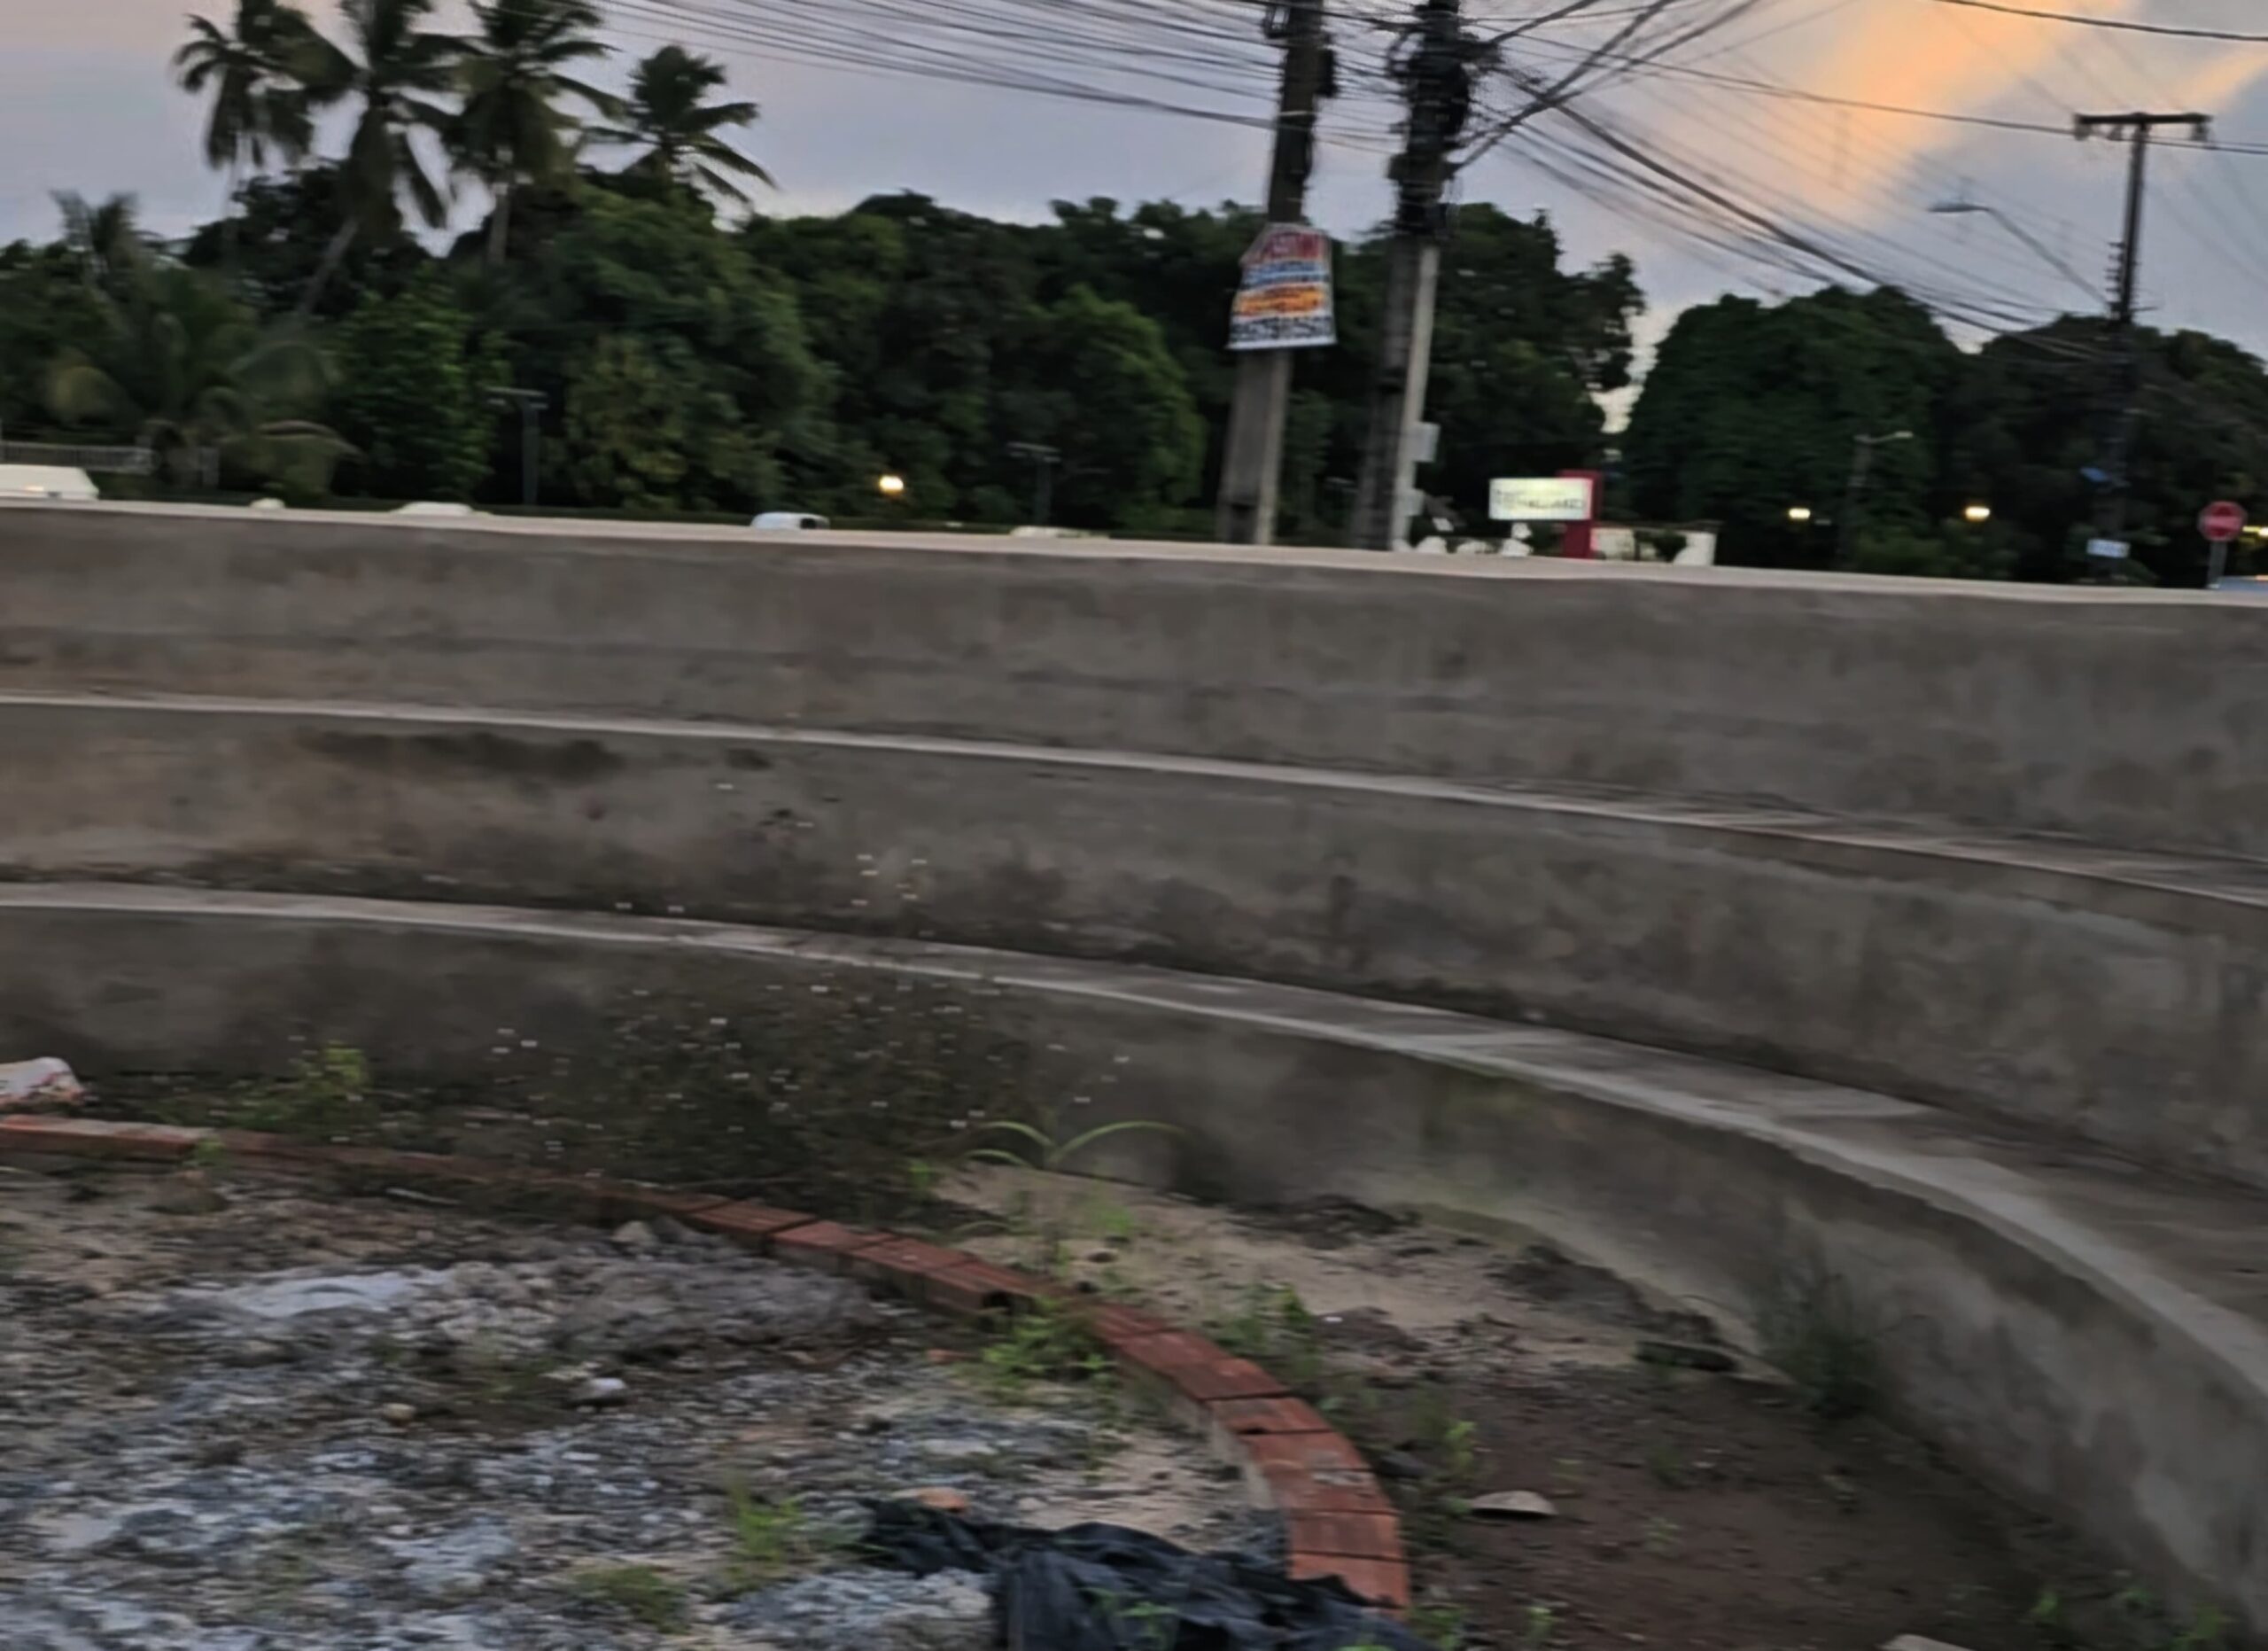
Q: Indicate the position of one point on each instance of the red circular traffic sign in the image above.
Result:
(2221, 521)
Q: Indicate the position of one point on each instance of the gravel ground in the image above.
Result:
(255, 1415)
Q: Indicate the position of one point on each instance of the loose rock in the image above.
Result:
(1687, 1356)
(46, 1082)
(1512, 1505)
(598, 1391)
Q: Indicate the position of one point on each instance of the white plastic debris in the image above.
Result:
(44, 1082)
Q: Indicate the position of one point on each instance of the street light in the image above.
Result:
(1799, 513)
(890, 486)
(1977, 513)
(1862, 459)
(1955, 208)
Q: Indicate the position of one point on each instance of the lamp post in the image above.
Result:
(2048, 255)
(531, 403)
(1862, 460)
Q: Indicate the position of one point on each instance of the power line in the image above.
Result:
(1640, 66)
(2129, 26)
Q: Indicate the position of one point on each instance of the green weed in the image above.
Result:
(1272, 1326)
(1538, 1627)
(1040, 1148)
(772, 1539)
(1143, 1624)
(1439, 1624)
(1112, 1221)
(1814, 1333)
(1048, 1343)
(2048, 1619)
(327, 1093)
(2207, 1630)
(1459, 1458)
(638, 1592)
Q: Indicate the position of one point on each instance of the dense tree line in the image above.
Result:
(692, 354)
(310, 343)
(1750, 410)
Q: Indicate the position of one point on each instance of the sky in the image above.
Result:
(87, 104)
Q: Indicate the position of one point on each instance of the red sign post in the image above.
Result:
(2220, 522)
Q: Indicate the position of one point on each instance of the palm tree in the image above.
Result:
(182, 367)
(679, 132)
(103, 239)
(396, 68)
(511, 127)
(256, 105)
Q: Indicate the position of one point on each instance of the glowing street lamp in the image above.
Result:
(890, 486)
(1799, 513)
(1977, 513)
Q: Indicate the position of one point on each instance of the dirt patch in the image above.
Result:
(1698, 1501)
(246, 1413)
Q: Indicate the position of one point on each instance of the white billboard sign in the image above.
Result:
(1540, 499)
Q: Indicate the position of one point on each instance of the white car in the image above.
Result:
(47, 481)
(789, 522)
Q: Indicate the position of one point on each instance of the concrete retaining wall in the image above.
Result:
(2048, 990)
(2083, 1337)
(2122, 717)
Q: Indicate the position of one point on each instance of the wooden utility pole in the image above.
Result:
(1252, 466)
(1435, 68)
(2118, 445)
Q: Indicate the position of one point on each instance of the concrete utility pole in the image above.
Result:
(1435, 68)
(1252, 466)
(2118, 446)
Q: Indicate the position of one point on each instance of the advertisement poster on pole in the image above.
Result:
(1284, 300)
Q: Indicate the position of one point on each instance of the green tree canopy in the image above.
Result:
(413, 394)
(649, 299)
(1751, 409)
(2034, 418)
(1092, 377)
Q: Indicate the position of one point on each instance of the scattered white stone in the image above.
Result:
(1915, 1642)
(458, 1564)
(635, 1235)
(357, 1292)
(44, 1082)
(399, 1414)
(191, 1195)
(1512, 1505)
(600, 1392)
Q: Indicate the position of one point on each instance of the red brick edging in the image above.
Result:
(1337, 1522)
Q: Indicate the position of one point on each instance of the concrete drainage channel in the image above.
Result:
(448, 1433)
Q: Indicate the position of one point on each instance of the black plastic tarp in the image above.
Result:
(1107, 1588)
